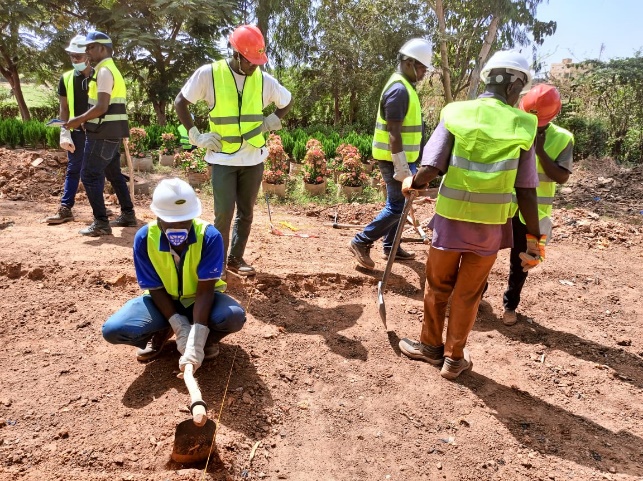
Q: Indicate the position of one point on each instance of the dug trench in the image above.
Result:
(318, 389)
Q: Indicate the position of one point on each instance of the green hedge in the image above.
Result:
(591, 136)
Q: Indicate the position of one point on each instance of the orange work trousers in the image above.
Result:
(464, 274)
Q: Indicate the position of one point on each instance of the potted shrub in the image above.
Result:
(167, 149)
(315, 169)
(352, 178)
(275, 171)
(298, 154)
(137, 142)
(194, 165)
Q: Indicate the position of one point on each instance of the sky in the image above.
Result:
(583, 25)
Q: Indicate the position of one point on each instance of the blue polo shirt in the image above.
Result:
(210, 267)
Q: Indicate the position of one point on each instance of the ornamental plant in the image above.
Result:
(315, 169)
(191, 162)
(353, 174)
(276, 165)
(137, 141)
(168, 143)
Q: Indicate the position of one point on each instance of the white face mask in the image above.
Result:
(79, 67)
(176, 237)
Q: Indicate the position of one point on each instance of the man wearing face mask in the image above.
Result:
(106, 126)
(72, 93)
(237, 91)
(179, 261)
(396, 147)
(484, 149)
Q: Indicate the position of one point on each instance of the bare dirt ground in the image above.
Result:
(316, 379)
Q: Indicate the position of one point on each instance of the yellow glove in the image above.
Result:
(535, 252)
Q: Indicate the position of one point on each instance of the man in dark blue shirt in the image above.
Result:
(179, 261)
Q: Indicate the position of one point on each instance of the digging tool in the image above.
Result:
(381, 286)
(194, 437)
(416, 225)
(335, 225)
(130, 167)
(275, 231)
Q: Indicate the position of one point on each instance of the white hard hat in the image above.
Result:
(74, 46)
(510, 60)
(175, 201)
(418, 49)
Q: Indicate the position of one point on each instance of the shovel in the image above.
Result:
(381, 286)
(194, 438)
(130, 167)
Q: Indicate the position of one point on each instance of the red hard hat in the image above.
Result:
(543, 101)
(249, 42)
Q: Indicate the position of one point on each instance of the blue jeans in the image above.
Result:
(74, 165)
(385, 224)
(139, 319)
(235, 185)
(102, 160)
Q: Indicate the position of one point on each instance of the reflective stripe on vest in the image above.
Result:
(479, 182)
(113, 124)
(183, 288)
(237, 117)
(411, 126)
(556, 140)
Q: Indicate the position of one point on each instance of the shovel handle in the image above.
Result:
(130, 167)
(199, 413)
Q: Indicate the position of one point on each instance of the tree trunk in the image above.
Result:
(11, 74)
(444, 55)
(354, 106)
(338, 114)
(489, 38)
(159, 108)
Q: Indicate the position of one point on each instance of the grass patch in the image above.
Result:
(36, 95)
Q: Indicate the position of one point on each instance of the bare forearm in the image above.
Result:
(163, 302)
(425, 174)
(281, 113)
(528, 205)
(552, 169)
(203, 303)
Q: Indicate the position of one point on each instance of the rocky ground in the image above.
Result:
(318, 388)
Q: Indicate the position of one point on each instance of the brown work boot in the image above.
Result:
(452, 369)
(239, 266)
(154, 345)
(401, 255)
(63, 215)
(423, 352)
(509, 317)
(362, 253)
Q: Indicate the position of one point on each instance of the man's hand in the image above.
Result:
(194, 347)
(181, 327)
(400, 166)
(270, 123)
(407, 185)
(66, 143)
(209, 140)
(74, 123)
(539, 143)
(535, 252)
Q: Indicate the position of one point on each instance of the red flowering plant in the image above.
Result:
(168, 143)
(191, 162)
(137, 141)
(276, 165)
(352, 174)
(315, 169)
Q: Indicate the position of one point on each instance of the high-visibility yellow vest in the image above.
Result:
(237, 117)
(180, 281)
(68, 80)
(113, 124)
(184, 138)
(556, 139)
(489, 136)
(411, 126)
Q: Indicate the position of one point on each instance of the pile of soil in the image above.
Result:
(31, 174)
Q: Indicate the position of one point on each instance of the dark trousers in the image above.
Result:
(74, 166)
(517, 277)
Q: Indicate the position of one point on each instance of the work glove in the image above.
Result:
(65, 141)
(272, 122)
(401, 169)
(194, 347)
(209, 140)
(181, 327)
(407, 185)
(535, 252)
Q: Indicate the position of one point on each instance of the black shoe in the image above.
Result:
(401, 255)
(63, 215)
(154, 345)
(239, 266)
(97, 229)
(125, 220)
(362, 253)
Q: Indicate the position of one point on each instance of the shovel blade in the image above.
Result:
(192, 443)
(380, 302)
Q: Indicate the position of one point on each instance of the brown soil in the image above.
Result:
(315, 378)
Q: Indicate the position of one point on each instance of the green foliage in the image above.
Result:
(11, 132)
(9, 111)
(299, 151)
(53, 137)
(34, 133)
(590, 136)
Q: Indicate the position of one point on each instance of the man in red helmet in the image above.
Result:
(554, 151)
(236, 91)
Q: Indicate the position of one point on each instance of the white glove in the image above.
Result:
(194, 348)
(272, 122)
(400, 166)
(209, 140)
(65, 141)
(181, 327)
